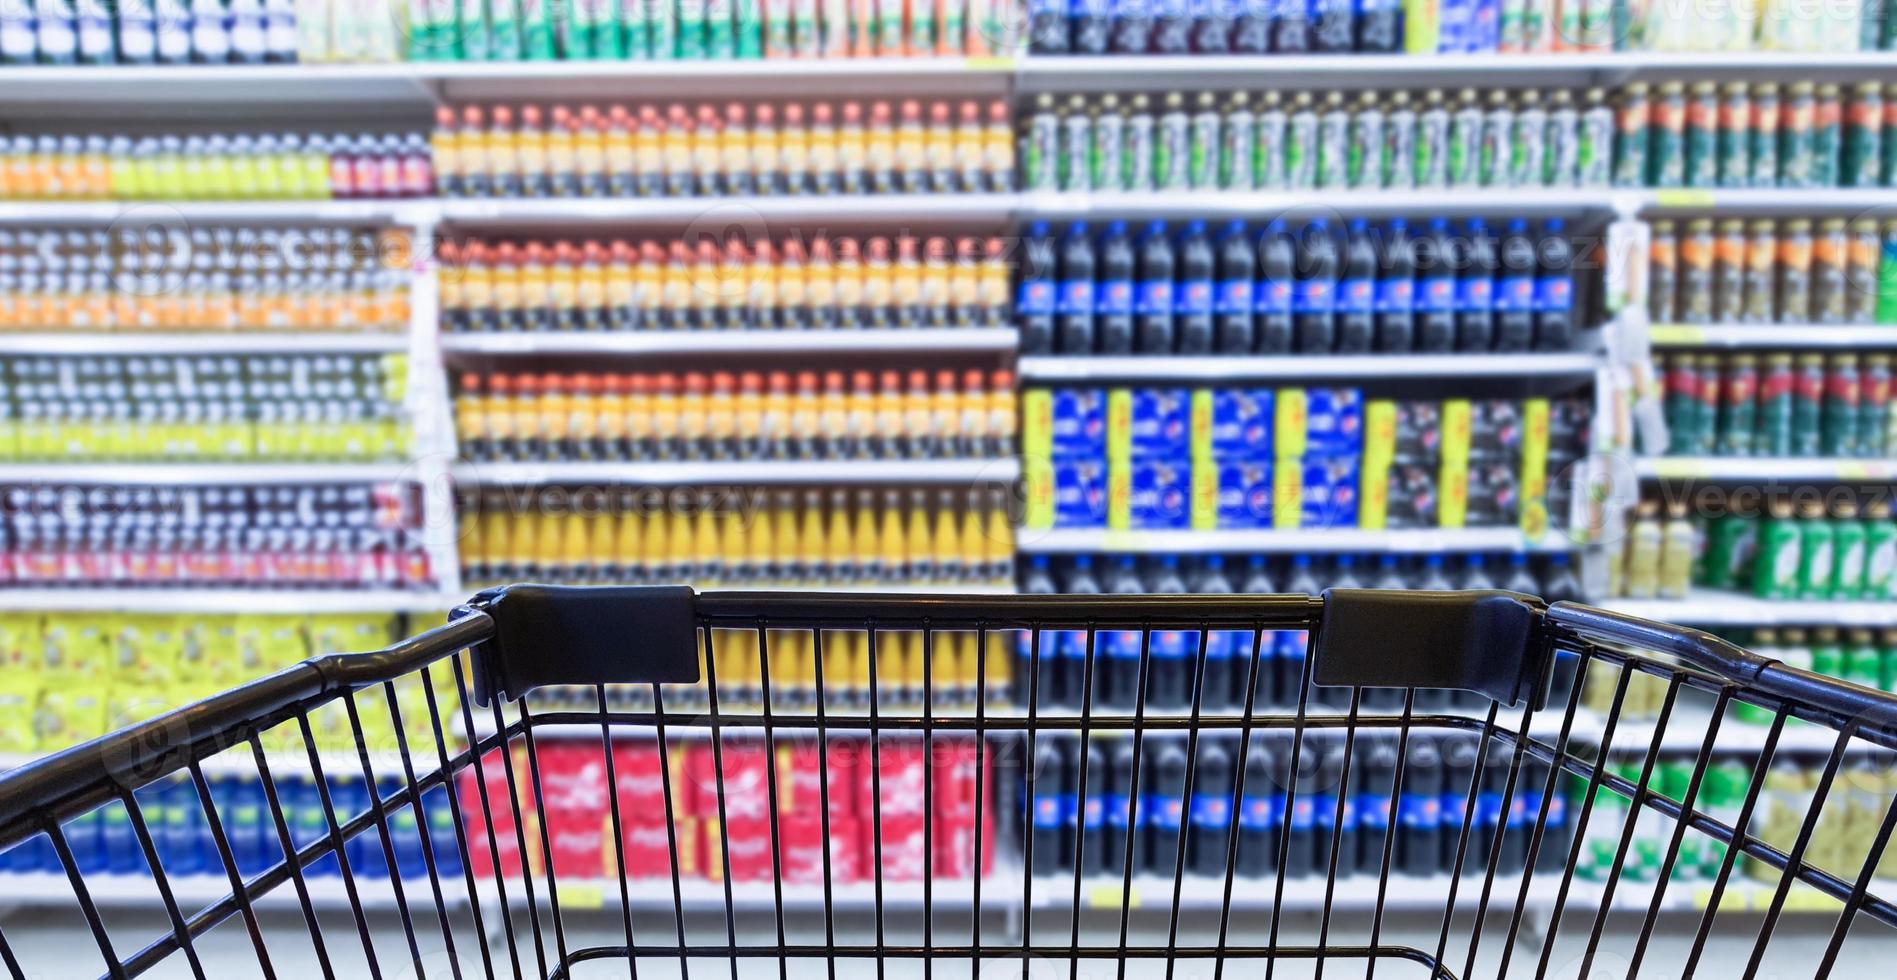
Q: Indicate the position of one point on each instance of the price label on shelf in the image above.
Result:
(581, 895)
(1111, 896)
(1683, 198)
(1675, 333)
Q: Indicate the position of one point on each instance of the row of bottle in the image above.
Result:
(1742, 135)
(1857, 655)
(343, 407)
(676, 150)
(325, 279)
(1317, 288)
(733, 416)
(663, 30)
(143, 32)
(288, 166)
(1811, 405)
(1772, 272)
(738, 536)
(1297, 141)
(1182, 814)
(825, 283)
(1806, 551)
(255, 537)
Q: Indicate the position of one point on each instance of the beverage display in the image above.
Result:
(204, 409)
(787, 283)
(209, 279)
(1796, 135)
(284, 537)
(215, 167)
(1779, 405)
(707, 149)
(1431, 286)
(1807, 551)
(738, 536)
(1828, 272)
(737, 415)
(1301, 140)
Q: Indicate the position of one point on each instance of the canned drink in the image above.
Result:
(1734, 141)
(1237, 169)
(1463, 142)
(1839, 414)
(1526, 146)
(1666, 163)
(1136, 154)
(1762, 138)
(1682, 405)
(1794, 272)
(1861, 269)
(1561, 159)
(1594, 149)
(1075, 169)
(1888, 139)
(1365, 150)
(1042, 150)
(1300, 145)
(1774, 437)
(1826, 136)
(1662, 272)
(1696, 272)
(1886, 311)
(1808, 390)
(1701, 165)
(1863, 161)
(1397, 165)
(1873, 402)
(1738, 406)
(1635, 122)
(1269, 144)
(1706, 427)
(1202, 146)
(1761, 274)
(1795, 136)
(1498, 125)
(1107, 156)
(1775, 570)
(1828, 258)
(1729, 259)
(1333, 141)
(1171, 145)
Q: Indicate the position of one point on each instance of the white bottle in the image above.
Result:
(95, 33)
(210, 32)
(279, 31)
(247, 32)
(17, 43)
(173, 30)
(58, 39)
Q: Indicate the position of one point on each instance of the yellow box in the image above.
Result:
(1287, 493)
(1037, 451)
(1379, 449)
(1534, 476)
(1287, 425)
(1453, 481)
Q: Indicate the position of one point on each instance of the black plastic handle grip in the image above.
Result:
(1483, 642)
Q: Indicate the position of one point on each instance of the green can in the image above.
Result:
(1827, 653)
(1701, 144)
(1887, 654)
(1763, 136)
(1808, 384)
(1735, 136)
(1795, 134)
(1724, 798)
(1863, 154)
(1880, 550)
(1774, 436)
(1666, 154)
(1817, 553)
(1889, 138)
(1838, 434)
(1634, 122)
(1775, 568)
(1826, 136)
(1730, 545)
(1765, 643)
(1863, 662)
(1847, 576)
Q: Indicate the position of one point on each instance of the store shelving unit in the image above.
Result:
(723, 343)
(1816, 468)
(204, 474)
(225, 600)
(233, 342)
(1778, 336)
(1218, 367)
(1714, 607)
(819, 472)
(1283, 540)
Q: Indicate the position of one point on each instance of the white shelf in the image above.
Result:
(230, 342)
(202, 474)
(1766, 201)
(239, 761)
(746, 472)
(182, 213)
(193, 892)
(1766, 468)
(1686, 732)
(1089, 541)
(734, 341)
(312, 601)
(1228, 368)
(1713, 607)
(1335, 203)
(1778, 336)
(721, 213)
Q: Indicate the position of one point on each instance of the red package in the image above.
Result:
(903, 850)
(800, 775)
(800, 848)
(504, 843)
(746, 786)
(847, 855)
(576, 838)
(572, 778)
(648, 850)
(641, 780)
(955, 810)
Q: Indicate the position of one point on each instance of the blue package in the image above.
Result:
(1333, 421)
(1241, 424)
(1078, 424)
(1244, 494)
(1080, 492)
(1158, 423)
(1160, 493)
(1329, 492)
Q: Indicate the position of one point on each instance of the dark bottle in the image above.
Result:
(1476, 577)
(1113, 297)
(1333, 26)
(1519, 578)
(1175, 653)
(1227, 653)
(1088, 26)
(1035, 303)
(1047, 26)
(1290, 27)
(1212, 26)
(1271, 297)
(1396, 290)
(1336, 831)
(1074, 309)
(1314, 302)
(1252, 33)
(1121, 663)
(1260, 811)
(1172, 27)
(1163, 803)
(1116, 807)
(1389, 574)
(1560, 585)
(1081, 580)
(1435, 289)
(1050, 819)
(1306, 798)
(1356, 293)
(1374, 785)
(1153, 306)
(1232, 306)
(1379, 26)
(1511, 813)
(1071, 653)
(1515, 289)
(1132, 26)
(1289, 654)
(1475, 289)
(1419, 812)
(1554, 288)
(1458, 796)
(1557, 833)
(1092, 846)
(1193, 298)
(1210, 818)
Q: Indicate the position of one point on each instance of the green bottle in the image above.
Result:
(1847, 578)
(720, 40)
(1817, 546)
(1730, 547)
(750, 30)
(1775, 570)
(1887, 660)
(1827, 653)
(472, 42)
(608, 39)
(691, 30)
(1863, 662)
(1675, 778)
(635, 29)
(1887, 276)
(575, 24)
(1880, 550)
(663, 24)
(536, 31)
(1724, 796)
(1765, 643)
(504, 22)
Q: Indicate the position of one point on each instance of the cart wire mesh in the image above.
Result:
(1049, 785)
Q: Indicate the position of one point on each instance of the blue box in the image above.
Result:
(1160, 493)
(1333, 421)
(1159, 423)
(1329, 493)
(1080, 492)
(1241, 424)
(1244, 493)
(1078, 427)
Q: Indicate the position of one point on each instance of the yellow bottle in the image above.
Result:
(676, 565)
(1677, 547)
(813, 558)
(921, 548)
(893, 539)
(1001, 415)
(868, 547)
(787, 558)
(707, 561)
(1643, 553)
(840, 545)
(575, 558)
(950, 564)
(999, 538)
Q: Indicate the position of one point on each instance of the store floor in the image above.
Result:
(59, 946)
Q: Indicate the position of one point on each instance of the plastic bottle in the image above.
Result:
(1116, 809)
(1314, 301)
(1333, 26)
(1435, 289)
(1074, 312)
(1091, 848)
(1290, 28)
(1210, 820)
(1515, 289)
(1302, 581)
(1346, 575)
(1272, 296)
(1475, 290)
(1034, 306)
(1396, 290)
(1039, 580)
(1433, 579)
(1476, 575)
(1163, 800)
(1554, 288)
(1132, 29)
(1050, 819)
(1153, 307)
(1520, 579)
(1261, 811)
(1356, 293)
(1389, 573)
(1257, 577)
(1237, 262)
(1114, 295)
(1419, 812)
(1194, 294)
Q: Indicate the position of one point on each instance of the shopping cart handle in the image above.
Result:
(563, 634)
(1484, 642)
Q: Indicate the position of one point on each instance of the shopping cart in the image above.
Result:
(1304, 727)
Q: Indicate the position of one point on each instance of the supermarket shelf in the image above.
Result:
(223, 600)
(1766, 468)
(1765, 201)
(229, 342)
(748, 472)
(1692, 718)
(1713, 607)
(182, 213)
(240, 762)
(201, 474)
(734, 342)
(193, 892)
(1778, 336)
(717, 214)
(1089, 541)
(1227, 368)
(1212, 204)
